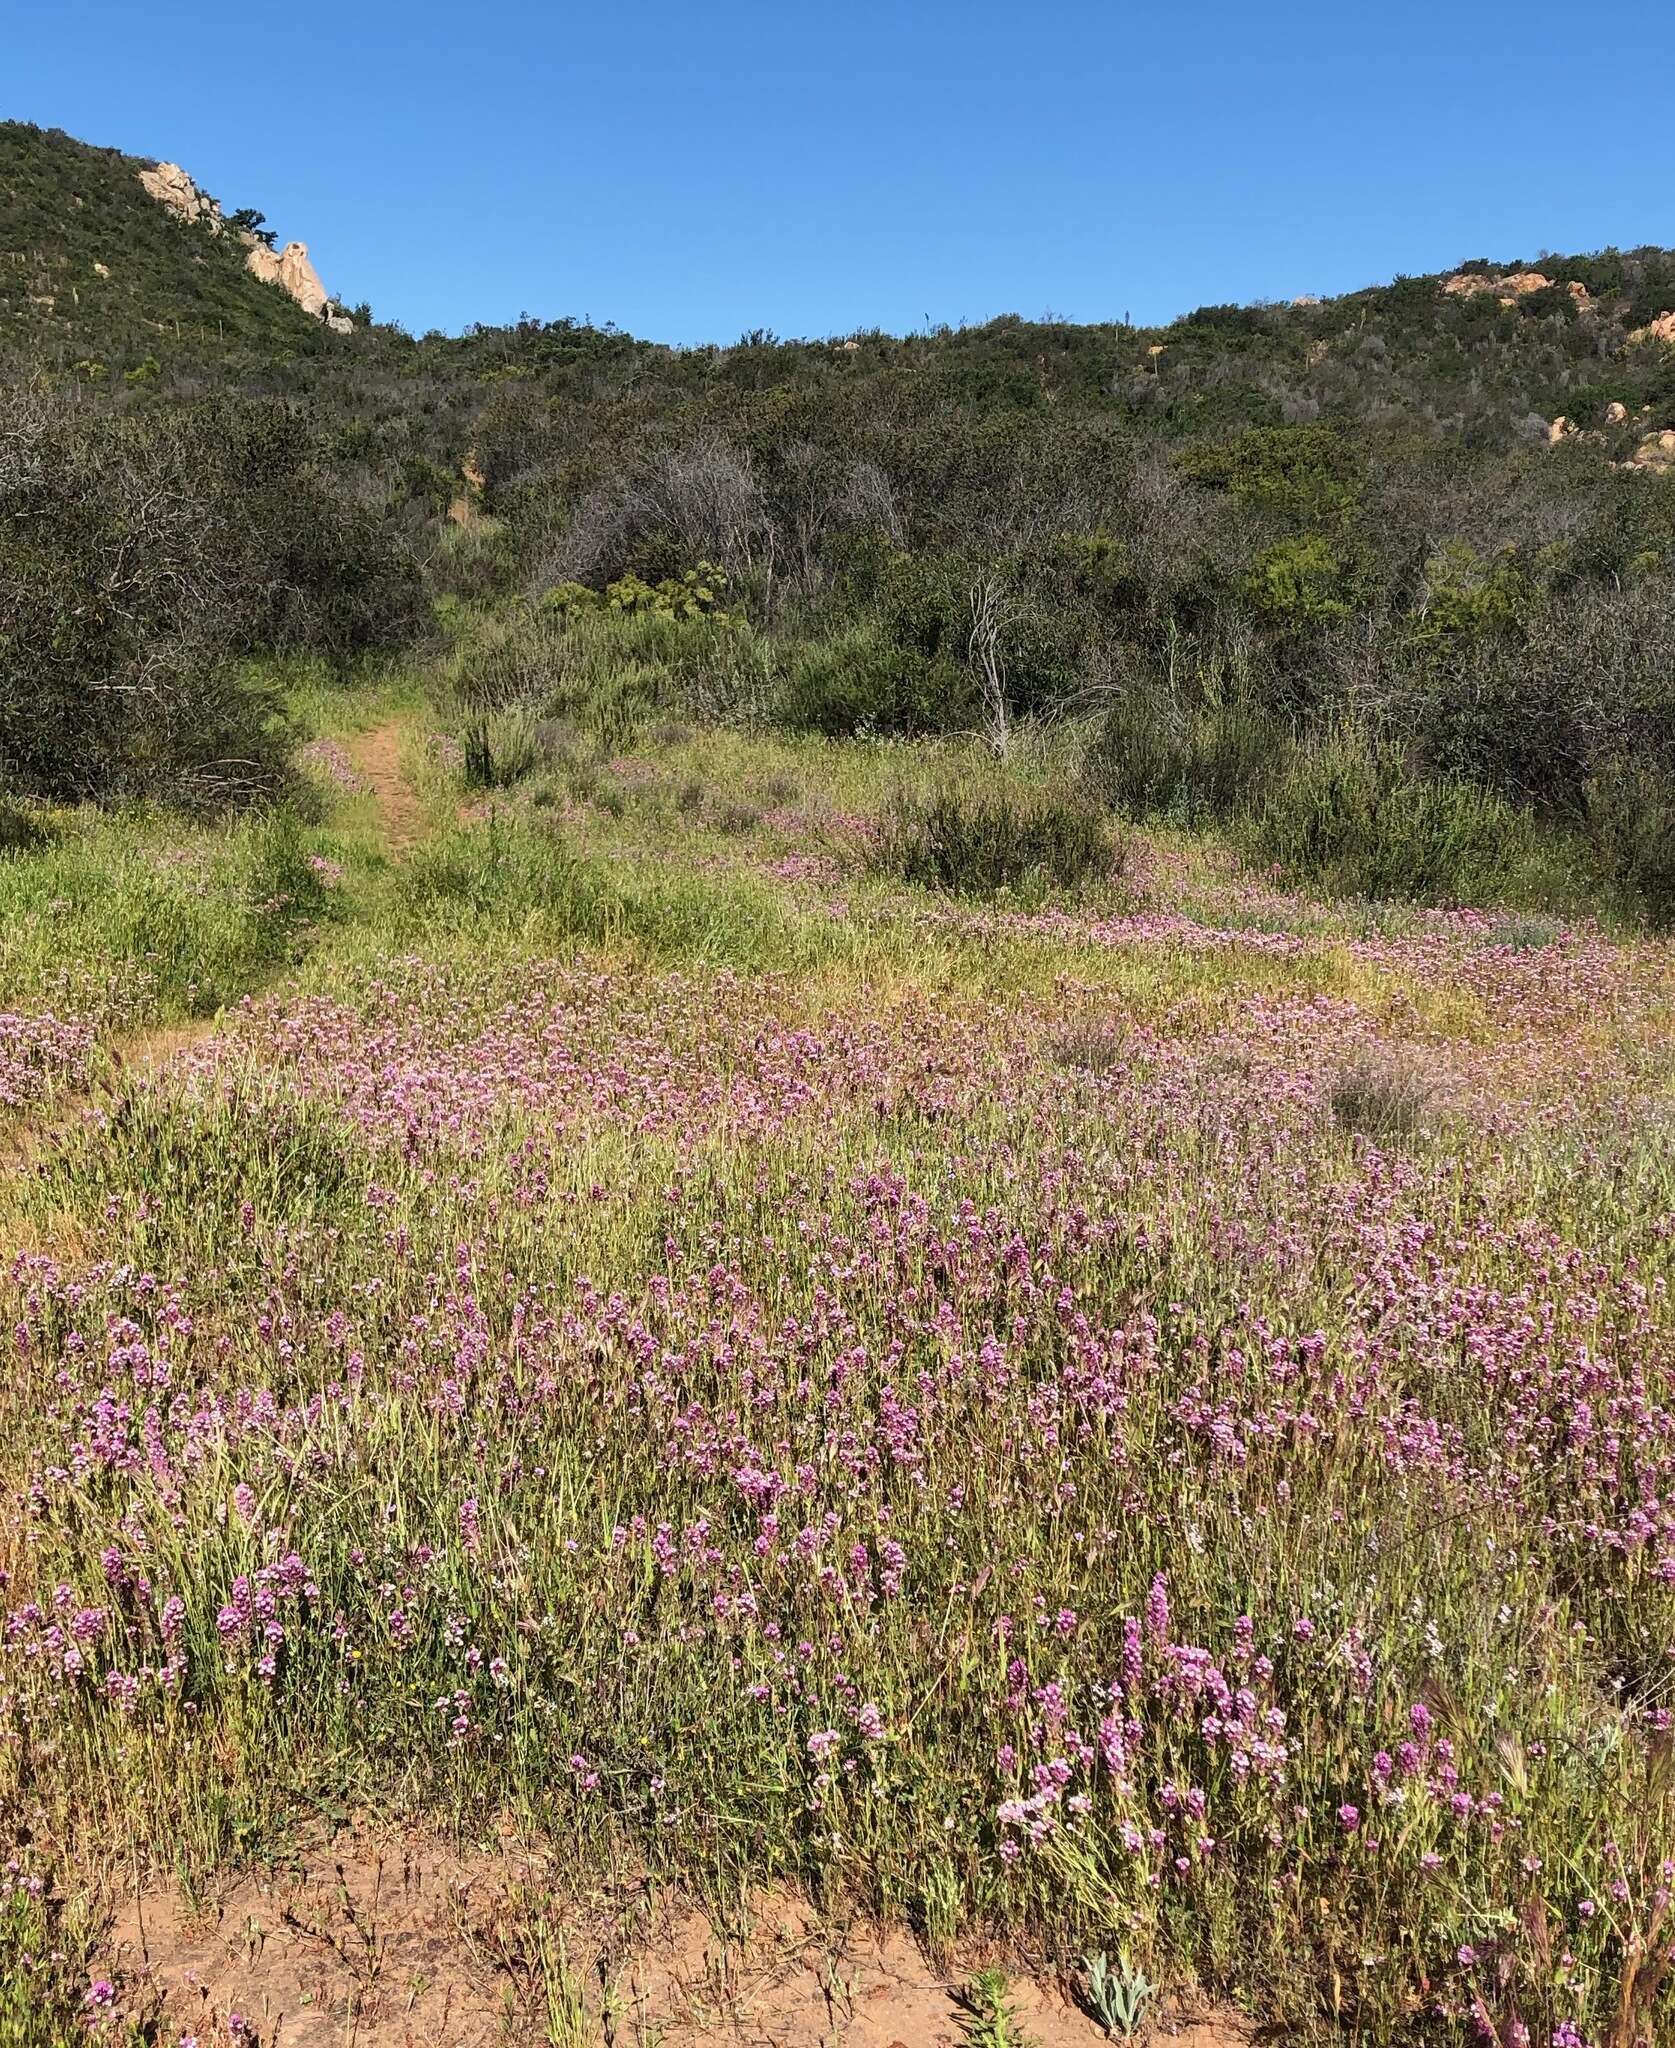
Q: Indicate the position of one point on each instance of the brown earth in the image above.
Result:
(378, 756)
(410, 1945)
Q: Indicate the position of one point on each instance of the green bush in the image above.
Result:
(1149, 759)
(692, 594)
(977, 843)
(142, 561)
(920, 604)
(1631, 821)
(1353, 814)
(500, 750)
(607, 672)
(861, 683)
(520, 656)
(1308, 474)
(1301, 584)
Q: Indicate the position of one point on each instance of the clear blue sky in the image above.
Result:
(693, 171)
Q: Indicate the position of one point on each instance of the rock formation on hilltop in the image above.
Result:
(289, 268)
(292, 271)
(170, 186)
(1515, 285)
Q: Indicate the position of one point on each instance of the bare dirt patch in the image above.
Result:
(377, 754)
(413, 1945)
(376, 1946)
(148, 1052)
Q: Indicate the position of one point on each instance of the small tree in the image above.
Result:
(248, 221)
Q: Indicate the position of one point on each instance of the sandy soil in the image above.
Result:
(409, 1945)
(377, 754)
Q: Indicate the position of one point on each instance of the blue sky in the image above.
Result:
(692, 172)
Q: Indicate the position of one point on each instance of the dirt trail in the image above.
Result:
(145, 1053)
(395, 1942)
(377, 755)
(150, 1049)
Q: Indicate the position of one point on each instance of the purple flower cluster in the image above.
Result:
(718, 1409)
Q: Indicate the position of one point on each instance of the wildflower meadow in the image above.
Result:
(1127, 1421)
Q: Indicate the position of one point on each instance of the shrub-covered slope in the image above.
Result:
(1320, 570)
(94, 271)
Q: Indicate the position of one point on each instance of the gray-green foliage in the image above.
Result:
(1121, 1996)
(143, 561)
(1351, 814)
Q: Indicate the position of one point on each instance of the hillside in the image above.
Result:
(1437, 516)
(93, 269)
(837, 1178)
(1491, 352)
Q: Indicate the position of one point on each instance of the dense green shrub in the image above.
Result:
(1151, 757)
(979, 842)
(922, 604)
(1354, 815)
(142, 560)
(1532, 704)
(1302, 585)
(695, 593)
(1309, 474)
(1194, 746)
(859, 682)
(1631, 820)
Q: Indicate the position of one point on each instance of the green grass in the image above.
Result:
(134, 918)
(149, 920)
(478, 1328)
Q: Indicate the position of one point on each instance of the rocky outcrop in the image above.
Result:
(293, 272)
(289, 268)
(1661, 329)
(170, 186)
(1515, 285)
(1656, 452)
